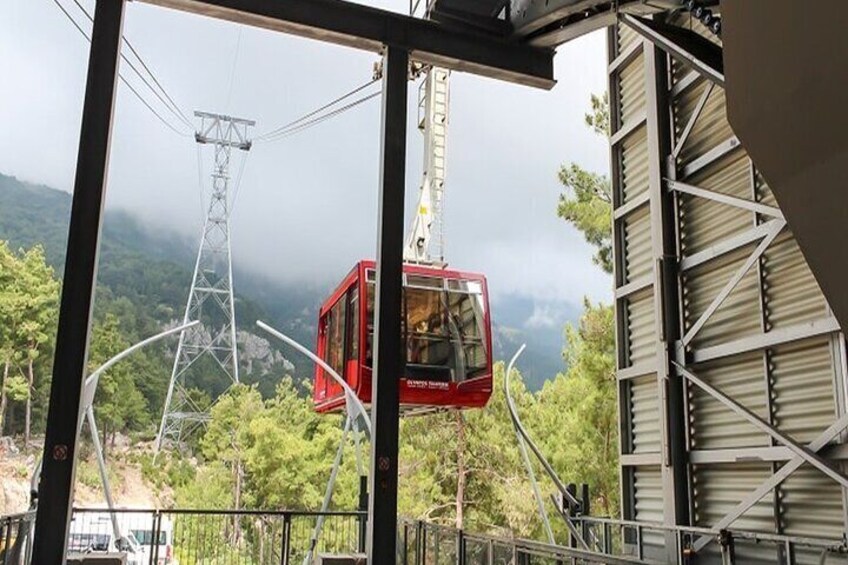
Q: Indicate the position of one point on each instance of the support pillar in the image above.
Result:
(55, 492)
(671, 390)
(388, 360)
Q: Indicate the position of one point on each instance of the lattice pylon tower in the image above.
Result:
(210, 299)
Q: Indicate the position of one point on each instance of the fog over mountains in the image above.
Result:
(153, 267)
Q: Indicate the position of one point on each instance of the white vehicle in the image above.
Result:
(93, 532)
(162, 548)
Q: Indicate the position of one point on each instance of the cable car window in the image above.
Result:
(369, 322)
(334, 355)
(444, 332)
(427, 341)
(466, 320)
(418, 281)
(353, 324)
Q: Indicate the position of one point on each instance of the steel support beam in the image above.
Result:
(674, 471)
(388, 361)
(363, 27)
(71, 356)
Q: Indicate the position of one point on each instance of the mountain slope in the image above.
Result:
(152, 269)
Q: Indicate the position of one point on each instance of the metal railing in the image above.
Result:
(246, 537)
(423, 543)
(645, 540)
(237, 537)
(16, 538)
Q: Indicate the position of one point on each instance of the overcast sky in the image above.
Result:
(306, 209)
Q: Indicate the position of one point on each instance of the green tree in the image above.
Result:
(463, 468)
(36, 292)
(586, 201)
(10, 312)
(578, 425)
(118, 404)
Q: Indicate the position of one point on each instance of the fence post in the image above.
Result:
(728, 551)
(421, 542)
(460, 547)
(286, 541)
(363, 507)
(5, 536)
(154, 543)
(571, 511)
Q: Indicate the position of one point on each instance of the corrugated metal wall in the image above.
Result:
(771, 346)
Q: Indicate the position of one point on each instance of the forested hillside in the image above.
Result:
(152, 269)
(265, 447)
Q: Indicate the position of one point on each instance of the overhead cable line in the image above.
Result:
(123, 79)
(169, 104)
(285, 127)
(315, 121)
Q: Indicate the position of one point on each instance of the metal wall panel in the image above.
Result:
(804, 399)
(711, 128)
(634, 165)
(811, 505)
(792, 293)
(788, 379)
(711, 424)
(638, 251)
(738, 316)
(644, 409)
(641, 329)
(648, 496)
(626, 38)
(717, 489)
(703, 223)
(632, 90)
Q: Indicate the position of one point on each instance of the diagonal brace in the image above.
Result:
(756, 207)
(801, 451)
(690, 125)
(731, 284)
(787, 469)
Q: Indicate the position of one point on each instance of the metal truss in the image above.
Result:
(678, 347)
(210, 299)
(763, 234)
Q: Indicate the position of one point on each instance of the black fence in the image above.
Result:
(217, 537)
(207, 537)
(423, 543)
(16, 538)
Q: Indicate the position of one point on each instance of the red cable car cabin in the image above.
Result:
(447, 337)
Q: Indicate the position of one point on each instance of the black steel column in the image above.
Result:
(55, 490)
(388, 361)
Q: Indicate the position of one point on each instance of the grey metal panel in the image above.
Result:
(792, 294)
(811, 505)
(648, 495)
(644, 408)
(803, 388)
(704, 223)
(712, 425)
(632, 90)
(637, 250)
(634, 164)
(641, 328)
(627, 37)
(717, 489)
(738, 316)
